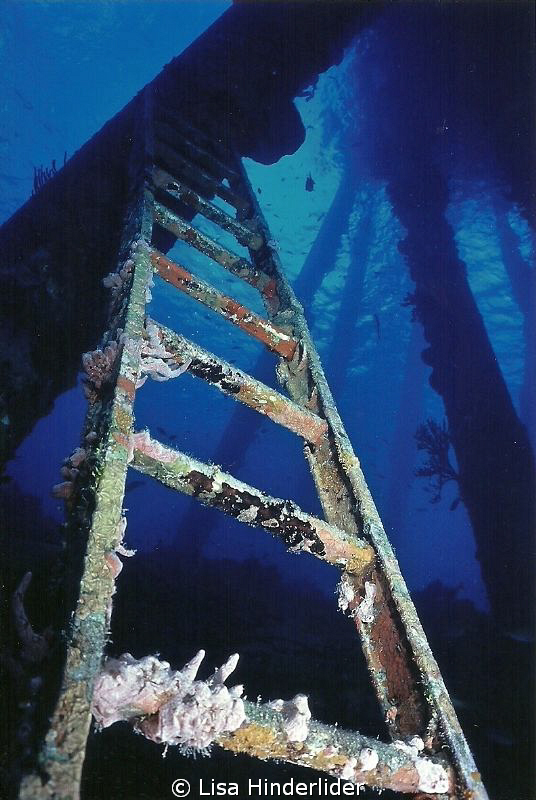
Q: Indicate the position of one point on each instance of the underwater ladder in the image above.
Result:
(427, 755)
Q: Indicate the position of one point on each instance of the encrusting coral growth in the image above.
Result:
(150, 447)
(156, 361)
(167, 706)
(116, 280)
(296, 716)
(99, 367)
(174, 708)
(364, 610)
(69, 471)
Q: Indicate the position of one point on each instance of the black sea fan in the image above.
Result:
(43, 174)
(434, 438)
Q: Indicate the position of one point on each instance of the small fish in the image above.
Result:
(259, 190)
(309, 183)
(454, 505)
(378, 329)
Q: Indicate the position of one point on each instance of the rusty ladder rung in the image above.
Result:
(274, 337)
(242, 387)
(239, 266)
(183, 166)
(172, 187)
(328, 747)
(282, 518)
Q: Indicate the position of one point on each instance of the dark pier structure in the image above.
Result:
(59, 246)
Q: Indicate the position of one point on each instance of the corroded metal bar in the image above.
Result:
(342, 754)
(404, 672)
(168, 133)
(179, 166)
(241, 386)
(282, 518)
(395, 677)
(189, 171)
(236, 264)
(419, 678)
(396, 683)
(177, 190)
(274, 337)
(63, 751)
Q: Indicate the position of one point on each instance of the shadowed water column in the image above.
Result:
(403, 450)
(344, 334)
(522, 281)
(450, 83)
(496, 471)
(322, 256)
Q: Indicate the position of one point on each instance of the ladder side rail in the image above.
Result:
(109, 421)
(304, 379)
(430, 685)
